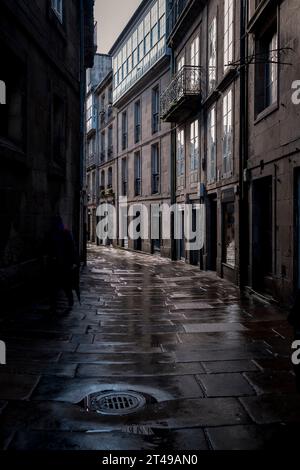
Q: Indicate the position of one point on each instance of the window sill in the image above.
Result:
(266, 112)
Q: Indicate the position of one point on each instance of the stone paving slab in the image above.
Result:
(122, 358)
(17, 386)
(216, 366)
(249, 437)
(138, 370)
(55, 416)
(221, 367)
(157, 440)
(75, 390)
(225, 385)
(273, 408)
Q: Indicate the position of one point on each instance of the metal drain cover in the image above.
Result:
(117, 403)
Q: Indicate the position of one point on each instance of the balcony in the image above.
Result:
(180, 18)
(183, 96)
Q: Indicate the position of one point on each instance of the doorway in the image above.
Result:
(212, 233)
(262, 233)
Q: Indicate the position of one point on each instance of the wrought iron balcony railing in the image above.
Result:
(186, 84)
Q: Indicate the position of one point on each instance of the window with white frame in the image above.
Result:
(180, 152)
(211, 145)
(195, 61)
(57, 7)
(271, 71)
(212, 54)
(180, 63)
(144, 46)
(227, 134)
(228, 32)
(194, 145)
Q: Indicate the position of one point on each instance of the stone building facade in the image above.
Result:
(141, 68)
(204, 37)
(44, 57)
(107, 168)
(95, 76)
(272, 174)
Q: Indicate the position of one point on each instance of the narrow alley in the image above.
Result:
(158, 356)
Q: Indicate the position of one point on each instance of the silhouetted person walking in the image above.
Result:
(62, 262)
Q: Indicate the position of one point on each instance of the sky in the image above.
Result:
(112, 16)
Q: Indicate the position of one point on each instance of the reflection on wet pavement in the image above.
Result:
(216, 367)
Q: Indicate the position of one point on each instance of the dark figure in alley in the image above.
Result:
(63, 264)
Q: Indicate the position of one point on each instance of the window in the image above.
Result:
(228, 33)
(180, 63)
(109, 178)
(266, 78)
(195, 52)
(91, 148)
(90, 114)
(180, 153)
(124, 130)
(194, 145)
(211, 145)
(102, 180)
(57, 7)
(212, 55)
(110, 142)
(137, 121)
(229, 234)
(155, 168)
(195, 60)
(110, 95)
(144, 47)
(227, 134)
(155, 110)
(103, 102)
(124, 177)
(102, 156)
(137, 174)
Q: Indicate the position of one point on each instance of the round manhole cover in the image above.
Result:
(117, 403)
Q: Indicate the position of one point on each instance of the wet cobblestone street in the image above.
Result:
(216, 371)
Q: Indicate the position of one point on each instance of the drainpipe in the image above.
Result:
(243, 146)
(83, 222)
